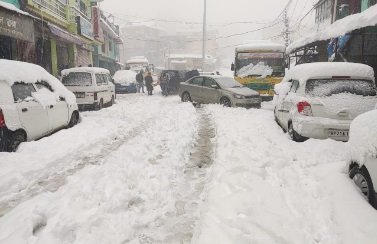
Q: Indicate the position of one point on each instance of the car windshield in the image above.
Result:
(77, 79)
(227, 82)
(328, 87)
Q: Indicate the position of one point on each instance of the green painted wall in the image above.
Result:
(14, 2)
(364, 5)
(54, 58)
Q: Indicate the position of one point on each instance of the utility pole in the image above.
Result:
(204, 34)
(286, 27)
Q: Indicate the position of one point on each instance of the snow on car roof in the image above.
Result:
(137, 59)
(124, 76)
(363, 137)
(339, 28)
(304, 72)
(16, 71)
(86, 69)
(261, 46)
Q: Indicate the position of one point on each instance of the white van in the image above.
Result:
(93, 87)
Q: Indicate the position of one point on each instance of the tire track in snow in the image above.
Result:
(52, 182)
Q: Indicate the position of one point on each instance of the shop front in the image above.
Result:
(17, 36)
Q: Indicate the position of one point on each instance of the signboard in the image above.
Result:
(84, 27)
(96, 17)
(16, 26)
(260, 55)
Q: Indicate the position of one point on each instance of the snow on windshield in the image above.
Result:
(259, 69)
(227, 82)
(77, 79)
(125, 77)
(328, 87)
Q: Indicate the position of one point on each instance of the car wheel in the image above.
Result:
(186, 97)
(294, 135)
(16, 138)
(74, 119)
(100, 105)
(363, 181)
(225, 102)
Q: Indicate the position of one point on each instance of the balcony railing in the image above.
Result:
(54, 8)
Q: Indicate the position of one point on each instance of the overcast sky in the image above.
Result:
(218, 12)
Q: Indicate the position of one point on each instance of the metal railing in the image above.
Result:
(53, 7)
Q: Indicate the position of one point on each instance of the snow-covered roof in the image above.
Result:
(86, 69)
(339, 28)
(363, 137)
(16, 71)
(304, 72)
(11, 7)
(259, 45)
(124, 76)
(141, 60)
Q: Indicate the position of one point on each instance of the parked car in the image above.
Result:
(125, 81)
(33, 104)
(219, 89)
(93, 87)
(363, 161)
(320, 100)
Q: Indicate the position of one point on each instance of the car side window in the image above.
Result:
(44, 84)
(99, 79)
(105, 79)
(197, 81)
(295, 86)
(208, 82)
(22, 91)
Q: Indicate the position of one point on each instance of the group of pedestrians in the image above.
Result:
(140, 78)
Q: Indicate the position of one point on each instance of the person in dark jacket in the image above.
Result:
(149, 83)
(140, 81)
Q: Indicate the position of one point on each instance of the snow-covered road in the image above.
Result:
(155, 170)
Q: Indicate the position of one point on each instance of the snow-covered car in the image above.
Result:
(125, 81)
(320, 100)
(93, 87)
(219, 89)
(33, 104)
(363, 161)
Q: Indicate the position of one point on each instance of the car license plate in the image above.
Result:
(338, 133)
(80, 94)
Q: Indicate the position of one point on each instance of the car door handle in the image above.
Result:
(24, 110)
(51, 106)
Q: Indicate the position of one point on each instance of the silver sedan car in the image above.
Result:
(219, 89)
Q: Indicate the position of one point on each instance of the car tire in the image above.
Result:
(74, 119)
(186, 97)
(225, 102)
(15, 139)
(100, 105)
(294, 135)
(363, 181)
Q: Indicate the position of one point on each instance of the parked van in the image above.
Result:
(93, 87)
(33, 104)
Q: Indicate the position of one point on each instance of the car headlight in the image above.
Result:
(239, 96)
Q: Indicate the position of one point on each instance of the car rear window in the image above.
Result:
(77, 79)
(328, 87)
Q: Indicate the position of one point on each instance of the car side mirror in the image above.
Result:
(232, 67)
(62, 98)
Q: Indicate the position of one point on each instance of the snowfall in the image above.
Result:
(156, 170)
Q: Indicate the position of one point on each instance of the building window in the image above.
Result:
(104, 48)
(110, 46)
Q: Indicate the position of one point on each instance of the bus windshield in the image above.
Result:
(260, 64)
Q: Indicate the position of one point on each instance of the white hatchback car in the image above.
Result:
(33, 104)
(93, 87)
(320, 100)
(363, 161)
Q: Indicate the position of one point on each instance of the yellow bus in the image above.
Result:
(260, 65)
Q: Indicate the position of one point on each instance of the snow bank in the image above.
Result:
(339, 28)
(125, 76)
(363, 137)
(304, 72)
(258, 69)
(261, 45)
(15, 71)
(95, 70)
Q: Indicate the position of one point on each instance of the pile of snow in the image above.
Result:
(258, 69)
(94, 70)
(339, 28)
(261, 46)
(363, 137)
(15, 71)
(125, 77)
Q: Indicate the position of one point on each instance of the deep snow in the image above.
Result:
(155, 170)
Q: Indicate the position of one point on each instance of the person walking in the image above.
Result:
(164, 83)
(140, 81)
(149, 83)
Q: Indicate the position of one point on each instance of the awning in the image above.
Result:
(339, 28)
(65, 35)
(16, 25)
